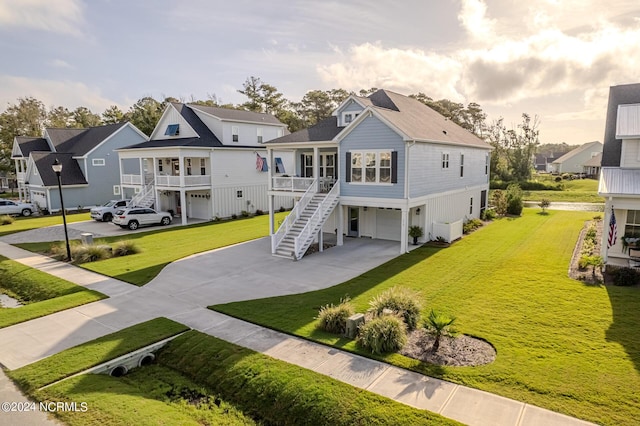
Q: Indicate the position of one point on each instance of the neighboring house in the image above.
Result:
(203, 162)
(90, 173)
(620, 174)
(542, 163)
(591, 167)
(573, 161)
(377, 166)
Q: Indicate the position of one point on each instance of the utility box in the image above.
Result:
(86, 238)
(353, 322)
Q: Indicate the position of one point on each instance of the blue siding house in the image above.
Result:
(90, 168)
(377, 166)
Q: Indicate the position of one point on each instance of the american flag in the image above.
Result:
(613, 229)
(259, 163)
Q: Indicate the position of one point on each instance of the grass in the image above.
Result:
(42, 294)
(577, 191)
(161, 247)
(27, 223)
(87, 355)
(561, 344)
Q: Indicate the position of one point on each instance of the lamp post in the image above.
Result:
(57, 168)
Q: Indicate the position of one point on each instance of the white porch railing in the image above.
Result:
(303, 240)
(291, 183)
(131, 179)
(288, 222)
(20, 176)
(188, 180)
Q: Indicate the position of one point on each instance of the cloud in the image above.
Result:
(404, 70)
(59, 63)
(473, 17)
(53, 93)
(60, 16)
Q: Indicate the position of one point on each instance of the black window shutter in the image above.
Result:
(394, 166)
(302, 166)
(347, 172)
(335, 166)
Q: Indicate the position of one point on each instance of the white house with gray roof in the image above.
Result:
(574, 160)
(204, 162)
(90, 172)
(619, 180)
(377, 166)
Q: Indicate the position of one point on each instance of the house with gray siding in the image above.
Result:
(619, 181)
(574, 160)
(90, 169)
(377, 166)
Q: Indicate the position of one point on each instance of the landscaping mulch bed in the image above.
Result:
(457, 351)
(586, 274)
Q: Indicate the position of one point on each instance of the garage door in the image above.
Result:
(39, 198)
(199, 206)
(388, 224)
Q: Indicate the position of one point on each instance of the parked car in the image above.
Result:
(104, 213)
(11, 207)
(134, 217)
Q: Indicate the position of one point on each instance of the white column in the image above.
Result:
(270, 167)
(271, 216)
(183, 206)
(181, 171)
(340, 237)
(404, 230)
(316, 167)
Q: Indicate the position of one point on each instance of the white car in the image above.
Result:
(11, 207)
(135, 217)
(105, 212)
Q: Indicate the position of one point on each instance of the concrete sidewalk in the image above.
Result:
(184, 289)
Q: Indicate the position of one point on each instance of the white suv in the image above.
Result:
(104, 213)
(135, 217)
(11, 207)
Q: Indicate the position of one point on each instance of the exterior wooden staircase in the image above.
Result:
(303, 224)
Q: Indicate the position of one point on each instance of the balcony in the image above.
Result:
(200, 180)
(291, 184)
(131, 179)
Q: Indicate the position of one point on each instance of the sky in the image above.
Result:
(554, 59)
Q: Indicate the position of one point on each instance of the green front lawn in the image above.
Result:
(163, 246)
(33, 222)
(42, 294)
(561, 344)
(577, 191)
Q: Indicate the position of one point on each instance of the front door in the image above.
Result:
(354, 218)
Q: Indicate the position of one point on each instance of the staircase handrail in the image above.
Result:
(295, 213)
(316, 220)
(148, 188)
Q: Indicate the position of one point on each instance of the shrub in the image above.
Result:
(387, 333)
(488, 214)
(471, 225)
(334, 318)
(89, 253)
(544, 204)
(623, 276)
(59, 251)
(499, 202)
(402, 301)
(234, 216)
(244, 213)
(6, 220)
(125, 248)
(597, 217)
(281, 209)
(259, 212)
(558, 179)
(514, 199)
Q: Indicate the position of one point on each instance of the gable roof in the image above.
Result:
(238, 115)
(582, 148)
(28, 144)
(412, 118)
(594, 161)
(81, 141)
(205, 138)
(71, 172)
(618, 95)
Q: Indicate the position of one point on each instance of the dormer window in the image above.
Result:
(235, 130)
(348, 118)
(259, 135)
(172, 130)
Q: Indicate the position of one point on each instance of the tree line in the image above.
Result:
(511, 156)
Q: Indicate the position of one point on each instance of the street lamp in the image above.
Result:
(57, 168)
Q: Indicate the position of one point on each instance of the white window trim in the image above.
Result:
(235, 131)
(98, 162)
(259, 135)
(486, 164)
(461, 165)
(445, 160)
(363, 168)
(116, 189)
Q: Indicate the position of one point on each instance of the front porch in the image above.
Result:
(319, 164)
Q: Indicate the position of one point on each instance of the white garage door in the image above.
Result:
(39, 198)
(199, 206)
(388, 223)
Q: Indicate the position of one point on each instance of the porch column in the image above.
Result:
(183, 206)
(141, 170)
(270, 171)
(316, 167)
(404, 230)
(181, 171)
(271, 216)
(340, 237)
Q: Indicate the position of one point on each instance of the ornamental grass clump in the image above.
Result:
(6, 220)
(400, 300)
(90, 253)
(334, 318)
(386, 333)
(125, 248)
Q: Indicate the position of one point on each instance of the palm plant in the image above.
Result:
(440, 325)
